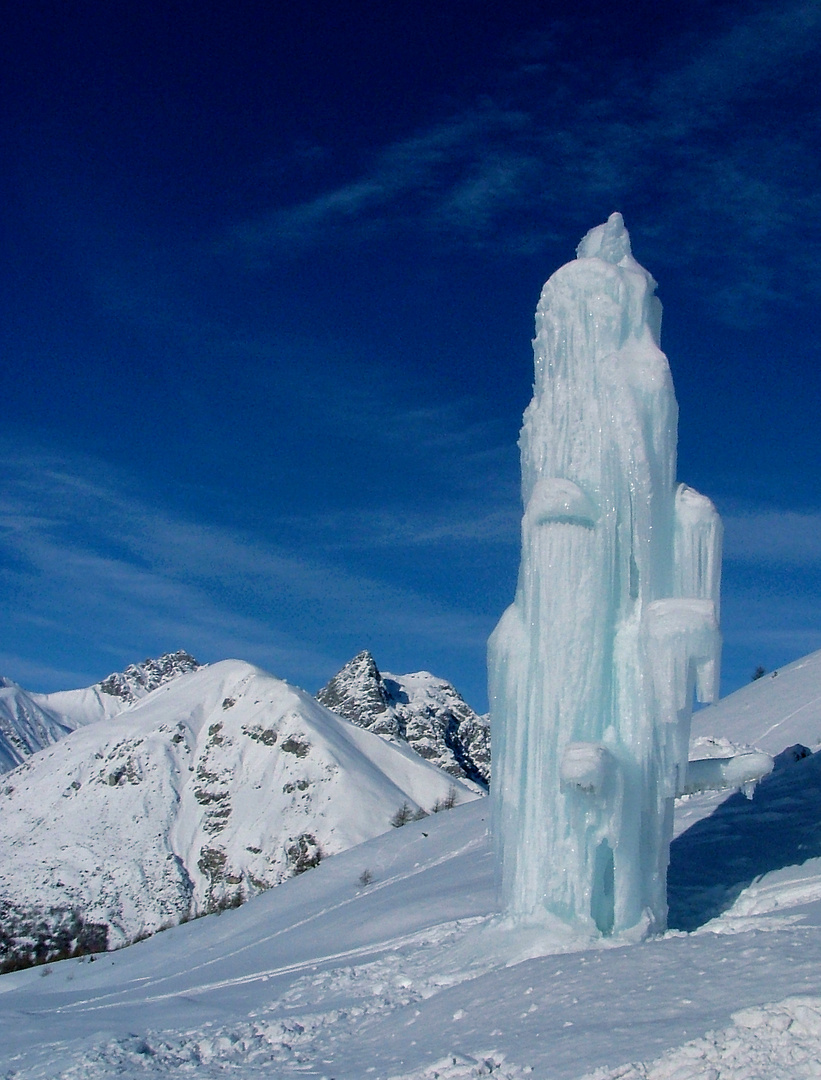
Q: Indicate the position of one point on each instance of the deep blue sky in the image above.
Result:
(268, 281)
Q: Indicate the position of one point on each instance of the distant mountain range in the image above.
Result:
(26, 726)
(171, 790)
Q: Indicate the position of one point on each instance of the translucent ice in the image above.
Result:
(594, 666)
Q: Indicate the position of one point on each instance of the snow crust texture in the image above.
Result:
(593, 667)
(208, 789)
(781, 1039)
(776, 1040)
(419, 709)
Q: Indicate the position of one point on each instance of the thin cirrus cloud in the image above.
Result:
(97, 563)
(418, 168)
(479, 525)
(771, 537)
(712, 137)
(71, 588)
(731, 67)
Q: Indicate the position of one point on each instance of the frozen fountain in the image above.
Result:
(614, 627)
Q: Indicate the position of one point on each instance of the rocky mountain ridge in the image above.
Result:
(140, 679)
(419, 710)
(26, 725)
(30, 722)
(214, 786)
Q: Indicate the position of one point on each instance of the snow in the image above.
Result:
(29, 722)
(26, 725)
(779, 709)
(216, 785)
(117, 691)
(776, 1040)
(414, 975)
(615, 622)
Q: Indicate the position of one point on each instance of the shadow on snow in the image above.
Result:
(718, 857)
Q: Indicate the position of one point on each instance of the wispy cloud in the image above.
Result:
(409, 179)
(774, 537)
(92, 577)
(435, 528)
(703, 142)
(131, 578)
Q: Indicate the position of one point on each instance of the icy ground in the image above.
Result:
(409, 976)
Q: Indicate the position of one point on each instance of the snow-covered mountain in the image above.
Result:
(118, 690)
(29, 721)
(405, 972)
(140, 679)
(210, 788)
(425, 712)
(26, 725)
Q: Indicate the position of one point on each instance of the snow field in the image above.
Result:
(411, 976)
(778, 1040)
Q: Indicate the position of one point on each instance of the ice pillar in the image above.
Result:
(593, 667)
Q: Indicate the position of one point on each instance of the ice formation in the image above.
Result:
(593, 667)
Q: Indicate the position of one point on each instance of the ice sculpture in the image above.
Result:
(593, 667)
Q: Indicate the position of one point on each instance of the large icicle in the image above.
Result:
(614, 625)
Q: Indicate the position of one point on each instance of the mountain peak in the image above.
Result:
(358, 693)
(140, 679)
(419, 709)
(197, 796)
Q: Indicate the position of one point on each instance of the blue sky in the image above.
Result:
(268, 284)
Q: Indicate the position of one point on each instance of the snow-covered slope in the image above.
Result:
(214, 786)
(411, 977)
(29, 721)
(425, 712)
(26, 725)
(778, 710)
(118, 690)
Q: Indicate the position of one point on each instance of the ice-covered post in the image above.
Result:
(593, 667)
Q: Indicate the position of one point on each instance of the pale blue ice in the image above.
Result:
(594, 666)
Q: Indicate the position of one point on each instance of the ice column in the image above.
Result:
(614, 626)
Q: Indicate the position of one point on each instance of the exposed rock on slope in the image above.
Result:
(212, 787)
(425, 712)
(140, 679)
(358, 693)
